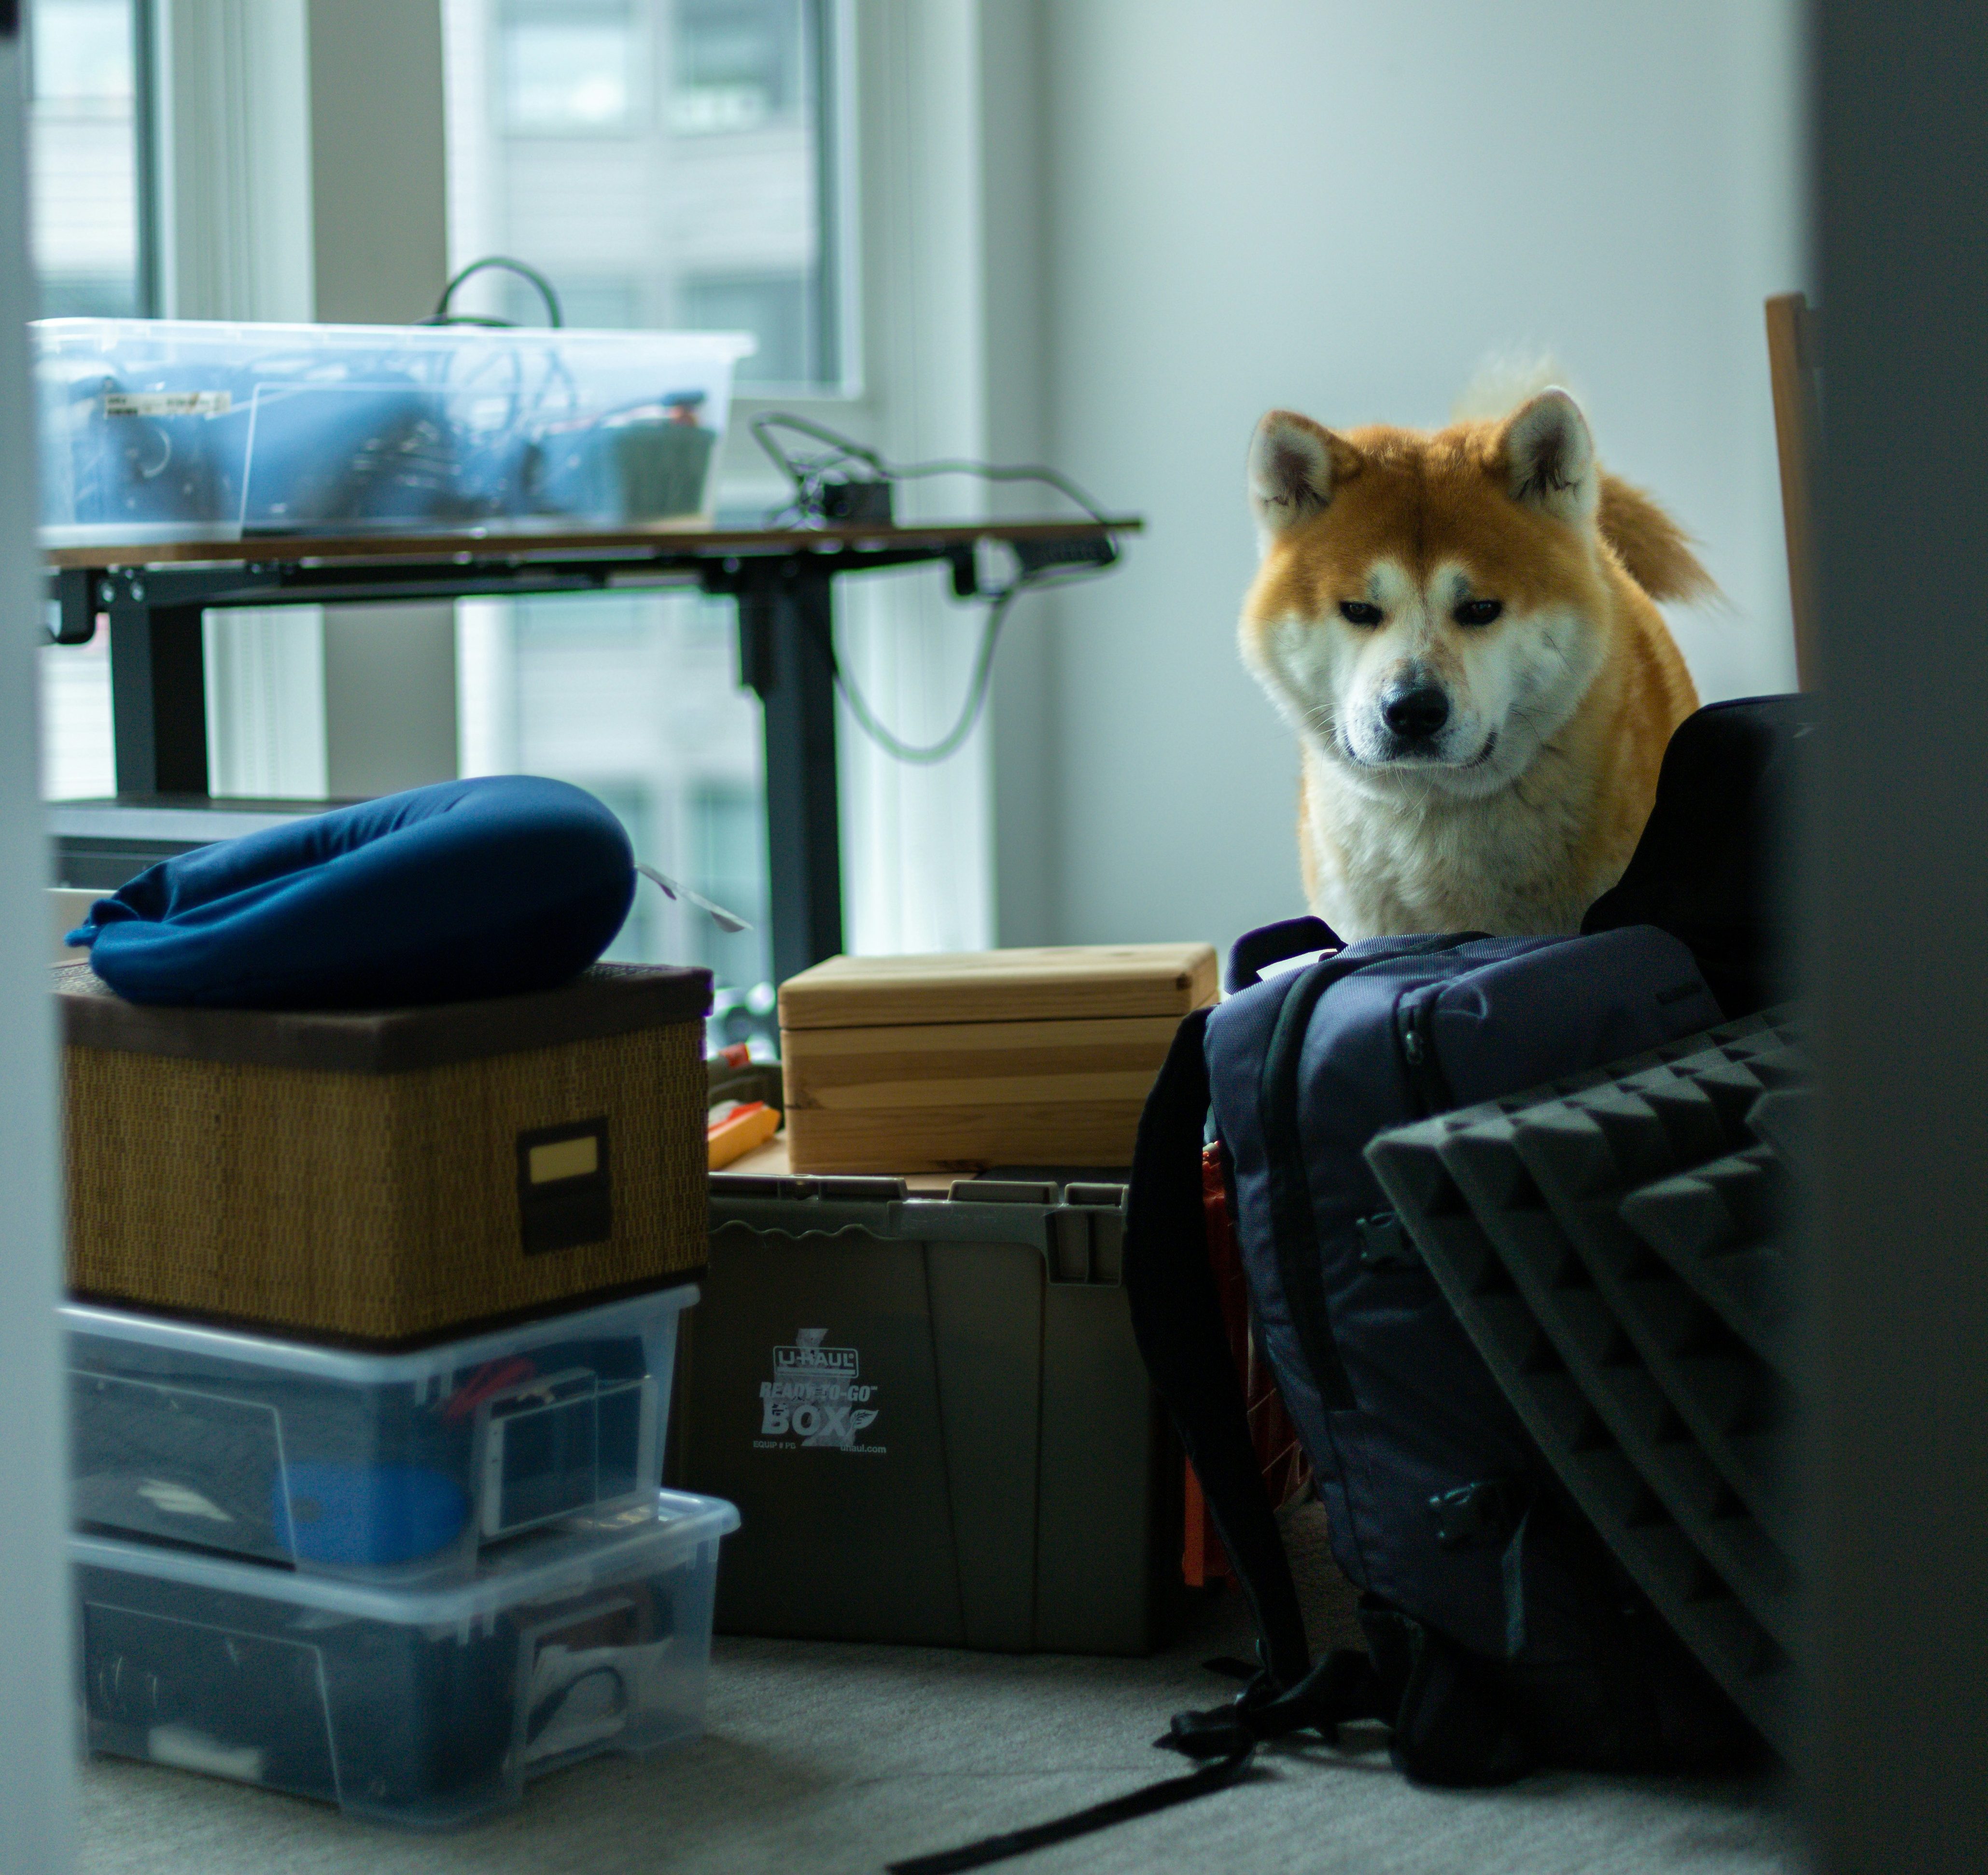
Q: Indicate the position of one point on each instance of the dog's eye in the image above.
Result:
(1357, 611)
(1478, 611)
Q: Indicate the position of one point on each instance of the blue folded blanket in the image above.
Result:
(487, 888)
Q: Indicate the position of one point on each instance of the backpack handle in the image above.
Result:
(1254, 951)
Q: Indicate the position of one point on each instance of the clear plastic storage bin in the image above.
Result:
(425, 1708)
(161, 430)
(406, 1466)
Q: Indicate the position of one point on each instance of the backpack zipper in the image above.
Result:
(1293, 1227)
(1419, 1061)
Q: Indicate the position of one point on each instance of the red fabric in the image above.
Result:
(1285, 1467)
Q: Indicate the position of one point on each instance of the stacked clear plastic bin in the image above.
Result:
(181, 429)
(402, 1582)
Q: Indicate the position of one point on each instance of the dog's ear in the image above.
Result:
(1294, 466)
(1549, 456)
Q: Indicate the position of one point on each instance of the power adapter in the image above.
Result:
(848, 502)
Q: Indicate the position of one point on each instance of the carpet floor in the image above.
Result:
(822, 1759)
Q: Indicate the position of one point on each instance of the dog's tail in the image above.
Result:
(1654, 551)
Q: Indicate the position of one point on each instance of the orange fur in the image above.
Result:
(1650, 544)
(1456, 505)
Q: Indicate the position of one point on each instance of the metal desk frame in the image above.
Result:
(153, 596)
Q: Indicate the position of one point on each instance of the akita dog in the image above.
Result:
(1460, 627)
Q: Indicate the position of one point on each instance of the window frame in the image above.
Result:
(144, 129)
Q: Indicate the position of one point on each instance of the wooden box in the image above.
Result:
(961, 1061)
(387, 1178)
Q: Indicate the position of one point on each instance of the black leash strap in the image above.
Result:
(1342, 1687)
(1235, 1768)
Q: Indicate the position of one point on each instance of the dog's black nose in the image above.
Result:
(1414, 715)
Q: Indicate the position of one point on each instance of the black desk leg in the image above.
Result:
(158, 699)
(784, 653)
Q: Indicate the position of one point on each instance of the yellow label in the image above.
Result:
(565, 1158)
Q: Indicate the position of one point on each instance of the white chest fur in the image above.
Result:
(1419, 860)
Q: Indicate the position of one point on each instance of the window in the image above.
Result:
(725, 859)
(88, 234)
(571, 67)
(737, 64)
(88, 230)
(583, 301)
(776, 307)
(635, 697)
(661, 161)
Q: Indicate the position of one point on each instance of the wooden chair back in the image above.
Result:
(1794, 363)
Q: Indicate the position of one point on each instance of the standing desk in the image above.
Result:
(152, 595)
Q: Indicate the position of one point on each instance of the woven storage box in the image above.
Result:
(392, 1178)
(964, 1061)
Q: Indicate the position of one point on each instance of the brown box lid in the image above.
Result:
(610, 999)
(1052, 982)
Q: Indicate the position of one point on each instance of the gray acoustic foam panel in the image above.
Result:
(1648, 1358)
(1717, 1228)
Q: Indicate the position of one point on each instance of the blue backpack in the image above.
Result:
(1501, 1635)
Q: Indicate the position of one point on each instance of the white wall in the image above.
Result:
(1342, 207)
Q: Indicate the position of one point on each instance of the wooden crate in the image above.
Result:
(961, 1061)
(387, 1178)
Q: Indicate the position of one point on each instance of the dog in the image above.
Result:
(1462, 628)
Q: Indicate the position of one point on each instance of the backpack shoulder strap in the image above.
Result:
(1176, 1316)
(1255, 951)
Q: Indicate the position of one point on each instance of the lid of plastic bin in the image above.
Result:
(1048, 983)
(652, 1315)
(608, 999)
(583, 1552)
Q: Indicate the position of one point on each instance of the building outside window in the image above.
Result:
(779, 309)
(635, 698)
(660, 161)
(86, 226)
(571, 67)
(737, 64)
(84, 169)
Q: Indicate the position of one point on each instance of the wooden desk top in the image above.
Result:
(661, 540)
